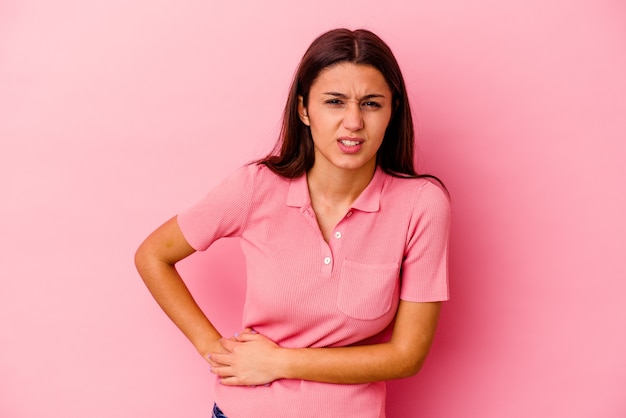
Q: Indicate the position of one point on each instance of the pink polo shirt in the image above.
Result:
(304, 292)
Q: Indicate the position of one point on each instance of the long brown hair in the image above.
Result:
(293, 154)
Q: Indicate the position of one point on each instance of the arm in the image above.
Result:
(254, 359)
(155, 259)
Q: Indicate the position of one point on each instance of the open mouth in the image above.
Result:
(350, 145)
(350, 142)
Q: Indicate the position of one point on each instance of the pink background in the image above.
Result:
(116, 114)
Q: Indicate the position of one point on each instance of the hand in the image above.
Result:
(250, 359)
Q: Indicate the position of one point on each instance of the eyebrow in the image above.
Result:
(343, 96)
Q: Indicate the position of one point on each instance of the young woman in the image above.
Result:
(345, 246)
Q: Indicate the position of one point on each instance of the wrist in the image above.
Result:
(287, 360)
(209, 346)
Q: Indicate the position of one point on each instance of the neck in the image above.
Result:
(336, 186)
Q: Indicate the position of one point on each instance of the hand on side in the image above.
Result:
(248, 359)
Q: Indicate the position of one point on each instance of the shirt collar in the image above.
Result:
(368, 200)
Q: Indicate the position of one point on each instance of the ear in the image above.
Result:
(302, 112)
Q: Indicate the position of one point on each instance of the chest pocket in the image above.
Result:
(366, 291)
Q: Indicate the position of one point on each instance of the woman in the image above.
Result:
(345, 246)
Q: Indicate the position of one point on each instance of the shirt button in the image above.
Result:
(327, 260)
(348, 214)
(337, 234)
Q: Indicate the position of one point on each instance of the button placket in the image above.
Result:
(335, 243)
(327, 259)
(326, 264)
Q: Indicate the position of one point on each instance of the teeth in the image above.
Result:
(349, 143)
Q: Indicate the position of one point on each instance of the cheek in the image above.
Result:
(320, 123)
(380, 125)
(317, 129)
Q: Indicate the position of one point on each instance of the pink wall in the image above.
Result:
(116, 114)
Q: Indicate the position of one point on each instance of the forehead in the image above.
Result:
(347, 77)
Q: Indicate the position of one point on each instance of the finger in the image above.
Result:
(228, 344)
(212, 362)
(221, 359)
(209, 360)
(237, 335)
(223, 372)
(244, 331)
(230, 381)
(234, 381)
(248, 336)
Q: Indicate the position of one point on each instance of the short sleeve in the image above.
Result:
(425, 265)
(222, 212)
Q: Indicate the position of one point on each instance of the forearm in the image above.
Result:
(253, 359)
(348, 365)
(172, 295)
(403, 356)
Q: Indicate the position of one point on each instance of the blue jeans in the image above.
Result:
(217, 412)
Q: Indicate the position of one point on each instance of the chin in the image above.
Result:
(352, 165)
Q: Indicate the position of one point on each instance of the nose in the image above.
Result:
(353, 117)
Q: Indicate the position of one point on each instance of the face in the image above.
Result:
(348, 111)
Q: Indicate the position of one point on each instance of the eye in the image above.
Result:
(334, 102)
(371, 104)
